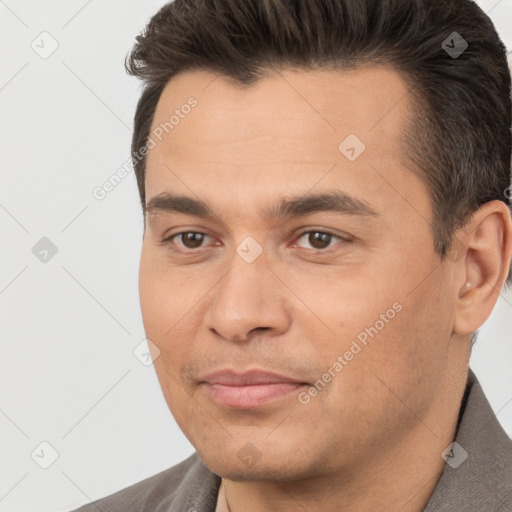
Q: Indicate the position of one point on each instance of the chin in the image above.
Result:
(277, 467)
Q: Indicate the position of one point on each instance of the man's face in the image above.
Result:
(351, 301)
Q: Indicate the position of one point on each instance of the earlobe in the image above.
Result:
(484, 265)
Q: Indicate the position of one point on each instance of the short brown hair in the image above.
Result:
(459, 141)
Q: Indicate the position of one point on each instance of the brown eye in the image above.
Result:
(191, 239)
(318, 240)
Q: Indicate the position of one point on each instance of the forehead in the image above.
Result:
(299, 104)
(282, 132)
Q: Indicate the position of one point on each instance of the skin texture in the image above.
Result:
(374, 433)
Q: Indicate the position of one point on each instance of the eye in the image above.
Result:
(318, 240)
(189, 239)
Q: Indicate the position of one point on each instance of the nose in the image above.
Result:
(247, 301)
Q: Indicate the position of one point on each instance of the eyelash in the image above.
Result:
(169, 240)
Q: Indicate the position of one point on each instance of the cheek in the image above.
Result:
(162, 308)
(375, 324)
(164, 301)
(346, 306)
(165, 295)
(172, 304)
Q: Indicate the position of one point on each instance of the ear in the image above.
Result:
(483, 250)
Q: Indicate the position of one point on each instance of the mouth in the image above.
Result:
(249, 389)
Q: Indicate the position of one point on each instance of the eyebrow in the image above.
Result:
(296, 206)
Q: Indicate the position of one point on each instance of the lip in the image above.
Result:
(253, 388)
(229, 377)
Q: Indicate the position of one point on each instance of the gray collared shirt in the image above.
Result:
(477, 475)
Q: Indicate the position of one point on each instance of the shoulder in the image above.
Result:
(158, 492)
(479, 474)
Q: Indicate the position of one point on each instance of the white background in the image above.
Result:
(69, 326)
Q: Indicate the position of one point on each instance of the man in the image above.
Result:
(325, 185)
